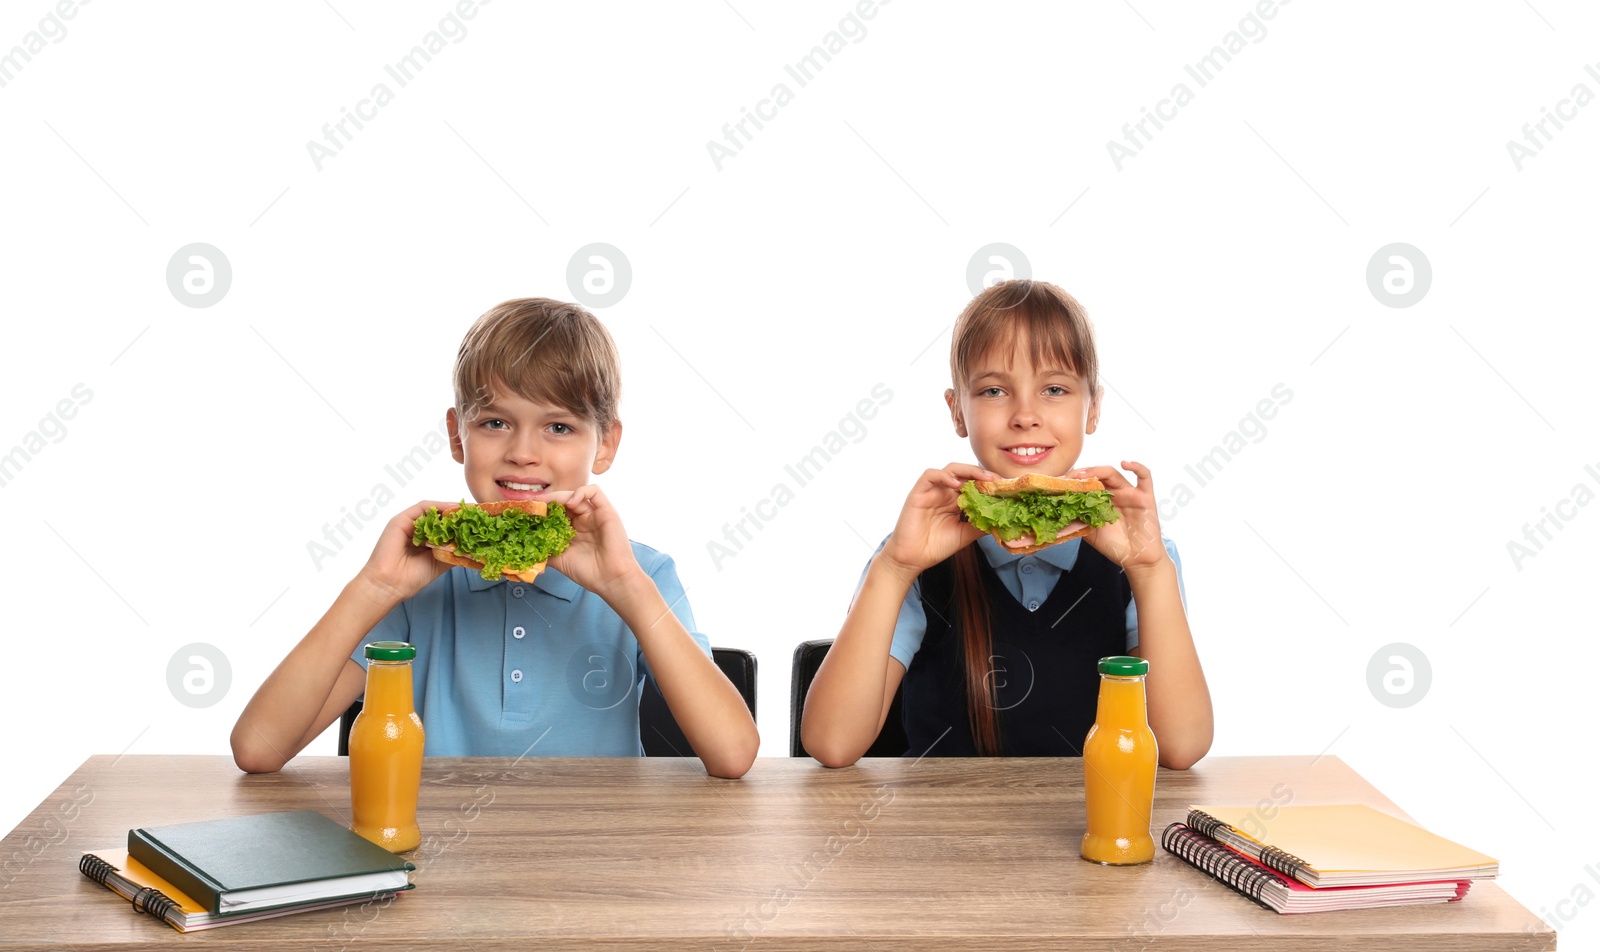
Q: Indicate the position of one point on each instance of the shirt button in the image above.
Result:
(517, 632)
(1027, 567)
(517, 591)
(1033, 606)
(516, 676)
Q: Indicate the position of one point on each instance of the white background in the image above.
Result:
(770, 296)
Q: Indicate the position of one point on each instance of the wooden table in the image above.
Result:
(649, 853)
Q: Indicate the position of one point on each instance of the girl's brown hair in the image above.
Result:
(1054, 329)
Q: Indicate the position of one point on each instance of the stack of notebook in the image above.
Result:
(215, 873)
(1295, 859)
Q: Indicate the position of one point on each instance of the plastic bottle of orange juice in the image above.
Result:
(1119, 768)
(386, 751)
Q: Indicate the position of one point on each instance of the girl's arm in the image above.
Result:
(706, 705)
(1179, 701)
(856, 683)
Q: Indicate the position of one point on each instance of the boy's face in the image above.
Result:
(1021, 418)
(513, 447)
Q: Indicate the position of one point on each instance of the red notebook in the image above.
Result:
(1284, 894)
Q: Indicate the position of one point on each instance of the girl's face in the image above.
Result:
(1021, 418)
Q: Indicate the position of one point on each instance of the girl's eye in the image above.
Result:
(561, 429)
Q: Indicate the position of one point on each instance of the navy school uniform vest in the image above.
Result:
(1044, 667)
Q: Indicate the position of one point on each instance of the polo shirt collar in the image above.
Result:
(549, 581)
(1063, 556)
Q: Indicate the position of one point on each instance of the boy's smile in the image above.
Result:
(514, 448)
(1021, 419)
(520, 488)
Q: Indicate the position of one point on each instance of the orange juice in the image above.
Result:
(1119, 768)
(386, 751)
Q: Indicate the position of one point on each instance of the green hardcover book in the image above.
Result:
(250, 863)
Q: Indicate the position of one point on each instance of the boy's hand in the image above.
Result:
(1134, 541)
(930, 528)
(599, 558)
(396, 567)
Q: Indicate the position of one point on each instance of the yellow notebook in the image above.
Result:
(154, 896)
(1340, 845)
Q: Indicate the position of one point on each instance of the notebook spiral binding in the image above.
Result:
(1204, 823)
(153, 901)
(1273, 858)
(1285, 863)
(147, 900)
(1217, 860)
(95, 868)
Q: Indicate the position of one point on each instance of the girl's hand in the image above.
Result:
(1134, 540)
(600, 557)
(930, 528)
(396, 567)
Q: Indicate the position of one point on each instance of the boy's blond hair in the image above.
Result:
(542, 350)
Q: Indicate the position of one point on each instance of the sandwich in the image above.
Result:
(1032, 511)
(512, 539)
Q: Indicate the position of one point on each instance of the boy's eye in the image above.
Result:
(1056, 391)
(495, 424)
(990, 392)
(561, 429)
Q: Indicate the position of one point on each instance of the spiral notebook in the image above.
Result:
(1288, 896)
(154, 896)
(1348, 844)
(239, 864)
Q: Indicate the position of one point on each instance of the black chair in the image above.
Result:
(891, 740)
(658, 731)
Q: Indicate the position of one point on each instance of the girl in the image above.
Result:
(996, 651)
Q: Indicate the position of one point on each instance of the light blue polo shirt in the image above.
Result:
(1029, 579)
(541, 668)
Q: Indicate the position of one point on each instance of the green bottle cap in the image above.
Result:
(390, 651)
(1121, 666)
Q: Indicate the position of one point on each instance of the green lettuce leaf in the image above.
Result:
(511, 541)
(1042, 514)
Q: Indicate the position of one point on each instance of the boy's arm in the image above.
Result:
(317, 680)
(703, 701)
(311, 686)
(706, 705)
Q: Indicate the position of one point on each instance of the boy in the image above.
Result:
(509, 668)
